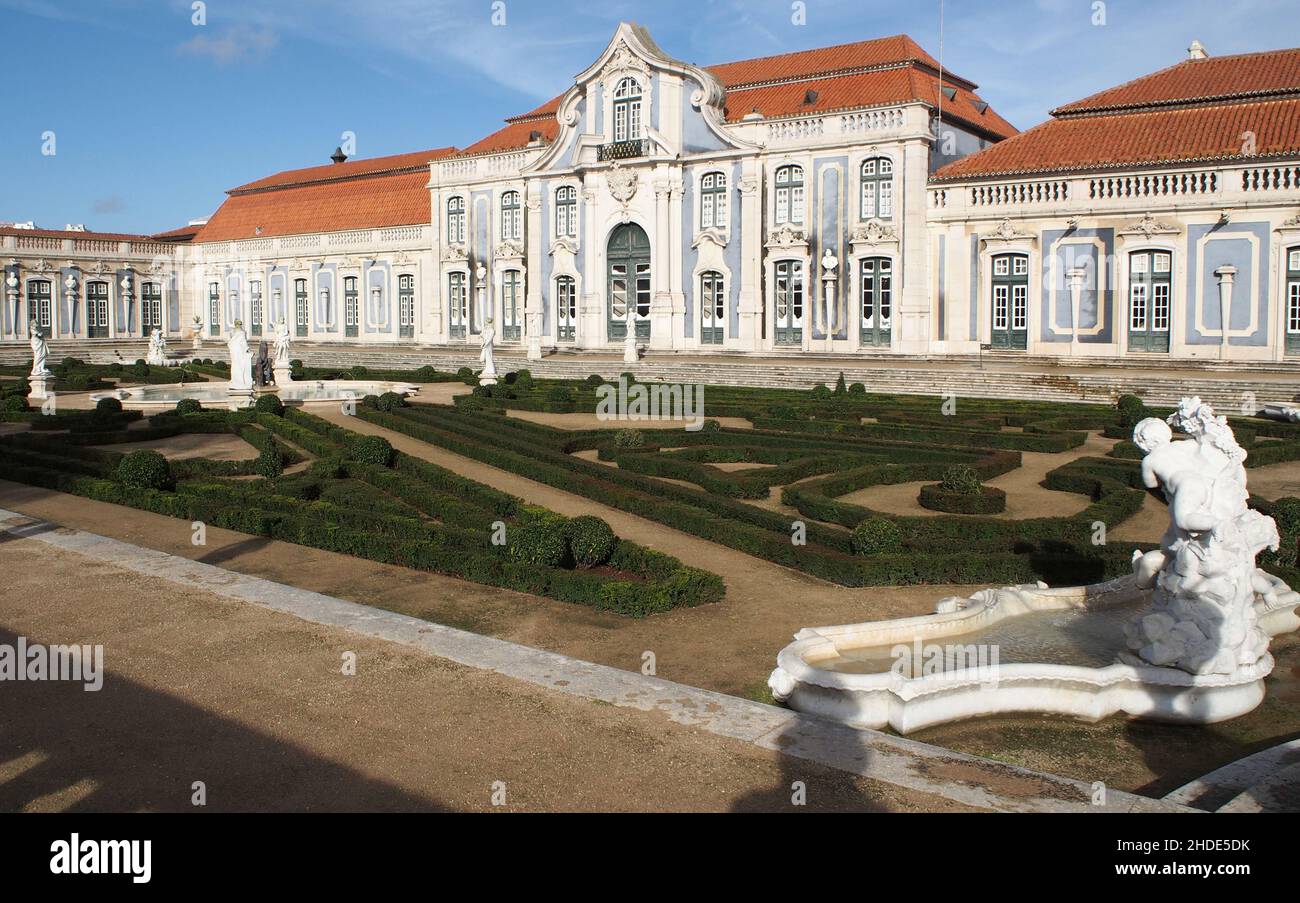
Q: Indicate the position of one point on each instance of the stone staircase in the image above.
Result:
(1229, 386)
(1268, 781)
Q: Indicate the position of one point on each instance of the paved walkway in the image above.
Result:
(250, 699)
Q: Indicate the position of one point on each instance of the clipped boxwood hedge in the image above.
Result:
(988, 500)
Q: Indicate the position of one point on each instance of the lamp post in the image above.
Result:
(1075, 276)
(1227, 275)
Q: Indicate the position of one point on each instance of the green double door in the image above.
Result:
(1149, 287)
(1293, 301)
(1010, 330)
(628, 290)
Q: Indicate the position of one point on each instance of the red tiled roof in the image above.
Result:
(888, 86)
(65, 233)
(1190, 134)
(329, 172)
(823, 60)
(331, 206)
(1250, 75)
(517, 134)
(183, 234)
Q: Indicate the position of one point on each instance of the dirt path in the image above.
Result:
(1025, 497)
(253, 704)
(215, 446)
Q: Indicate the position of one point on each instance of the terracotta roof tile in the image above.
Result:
(1166, 136)
(823, 60)
(1254, 75)
(348, 169)
(361, 203)
(64, 233)
(516, 135)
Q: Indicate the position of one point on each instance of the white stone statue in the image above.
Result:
(488, 337)
(241, 360)
(40, 352)
(157, 356)
(1202, 617)
(282, 342)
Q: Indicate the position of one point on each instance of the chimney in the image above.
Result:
(338, 156)
(1197, 51)
(810, 96)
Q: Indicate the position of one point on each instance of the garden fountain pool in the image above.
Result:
(159, 397)
(1184, 638)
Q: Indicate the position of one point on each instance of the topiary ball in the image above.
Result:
(538, 542)
(269, 464)
(876, 535)
(1131, 410)
(145, 470)
(961, 479)
(370, 401)
(857, 389)
(269, 404)
(373, 450)
(629, 439)
(390, 401)
(188, 406)
(590, 539)
(595, 380)
(523, 380)
(108, 406)
(711, 426)
(426, 374)
(821, 392)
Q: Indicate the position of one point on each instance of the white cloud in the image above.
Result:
(235, 44)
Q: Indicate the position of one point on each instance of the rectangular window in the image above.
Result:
(406, 306)
(214, 308)
(1293, 307)
(1138, 307)
(1293, 261)
(301, 313)
(151, 306)
(255, 299)
(1000, 307)
(351, 306)
(1020, 307)
(886, 199)
(1160, 307)
(566, 308)
(457, 305)
(511, 327)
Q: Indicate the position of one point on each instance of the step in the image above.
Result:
(1225, 786)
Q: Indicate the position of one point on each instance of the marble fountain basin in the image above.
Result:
(161, 397)
(1012, 650)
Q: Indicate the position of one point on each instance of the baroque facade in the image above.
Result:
(851, 200)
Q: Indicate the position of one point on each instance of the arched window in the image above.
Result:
(566, 308)
(456, 220)
(300, 305)
(254, 297)
(510, 222)
(877, 286)
(627, 110)
(713, 201)
(566, 211)
(877, 188)
(512, 287)
(789, 195)
(214, 308)
(151, 306)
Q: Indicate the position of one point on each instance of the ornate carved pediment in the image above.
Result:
(1008, 232)
(712, 236)
(787, 236)
(455, 253)
(509, 248)
(1149, 226)
(623, 62)
(873, 232)
(41, 266)
(564, 243)
(100, 268)
(1289, 225)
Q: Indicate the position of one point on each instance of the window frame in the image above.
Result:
(456, 220)
(789, 196)
(876, 181)
(511, 219)
(715, 202)
(627, 118)
(566, 211)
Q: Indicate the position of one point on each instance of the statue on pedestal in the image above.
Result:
(280, 364)
(488, 338)
(40, 352)
(1204, 580)
(157, 356)
(241, 360)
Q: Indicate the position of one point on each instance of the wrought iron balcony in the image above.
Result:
(622, 150)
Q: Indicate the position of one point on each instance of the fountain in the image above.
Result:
(1182, 639)
(241, 390)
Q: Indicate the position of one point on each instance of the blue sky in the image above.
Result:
(155, 117)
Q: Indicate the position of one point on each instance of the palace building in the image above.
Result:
(850, 200)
